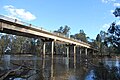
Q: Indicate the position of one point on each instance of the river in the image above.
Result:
(58, 68)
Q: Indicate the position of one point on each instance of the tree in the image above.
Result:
(66, 30)
(114, 33)
(80, 36)
(4, 43)
(100, 43)
(117, 12)
(114, 36)
(98, 38)
(63, 30)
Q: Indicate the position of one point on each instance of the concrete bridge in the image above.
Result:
(16, 27)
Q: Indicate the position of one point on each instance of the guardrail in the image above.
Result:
(37, 27)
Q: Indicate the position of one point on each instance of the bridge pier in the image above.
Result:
(74, 52)
(67, 51)
(72, 49)
(44, 44)
(52, 48)
(80, 50)
(80, 53)
(86, 53)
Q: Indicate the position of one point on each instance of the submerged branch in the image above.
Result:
(4, 75)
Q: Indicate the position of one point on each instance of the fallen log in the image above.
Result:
(4, 75)
(27, 67)
(21, 70)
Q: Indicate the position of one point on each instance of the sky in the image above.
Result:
(92, 16)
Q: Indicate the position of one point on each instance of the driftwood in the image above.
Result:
(4, 75)
(94, 65)
(26, 67)
(22, 70)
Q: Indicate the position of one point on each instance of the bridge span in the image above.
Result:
(16, 27)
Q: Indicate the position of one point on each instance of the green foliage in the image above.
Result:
(18, 44)
(4, 43)
(109, 42)
(114, 36)
(113, 39)
(99, 43)
(64, 30)
(117, 12)
(98, 38)
(80, 36)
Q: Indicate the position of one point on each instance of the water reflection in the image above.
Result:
(107, 69)
(6, 61)
(112, 62)
(57, 68)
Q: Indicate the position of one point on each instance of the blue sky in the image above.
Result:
(89, 15)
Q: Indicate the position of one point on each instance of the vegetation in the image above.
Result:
(63, 30)
(80, 36)
(109, 42)
(104, 72)
(11, 44)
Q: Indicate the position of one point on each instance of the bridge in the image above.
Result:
(16, 27)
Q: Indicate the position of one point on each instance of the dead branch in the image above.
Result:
(4, 75)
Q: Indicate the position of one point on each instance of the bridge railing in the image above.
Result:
(37, 27)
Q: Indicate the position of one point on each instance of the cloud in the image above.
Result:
(117, 4)
(106, 1)
(19, 13)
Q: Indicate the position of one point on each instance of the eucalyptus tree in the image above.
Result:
(17, 44)
(63, 30)
(114, 36)
(80, 36)
(114, 33)
(4, 43)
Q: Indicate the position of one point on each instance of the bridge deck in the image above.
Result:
(13, 26)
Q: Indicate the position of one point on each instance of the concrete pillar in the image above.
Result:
(74, 50)
(52, 48)
(44, 49)
(67, 52)
(74, 56)
(80, 51)
(80, 58)
(86, 51)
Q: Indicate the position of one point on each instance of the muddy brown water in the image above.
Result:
(58, 68)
